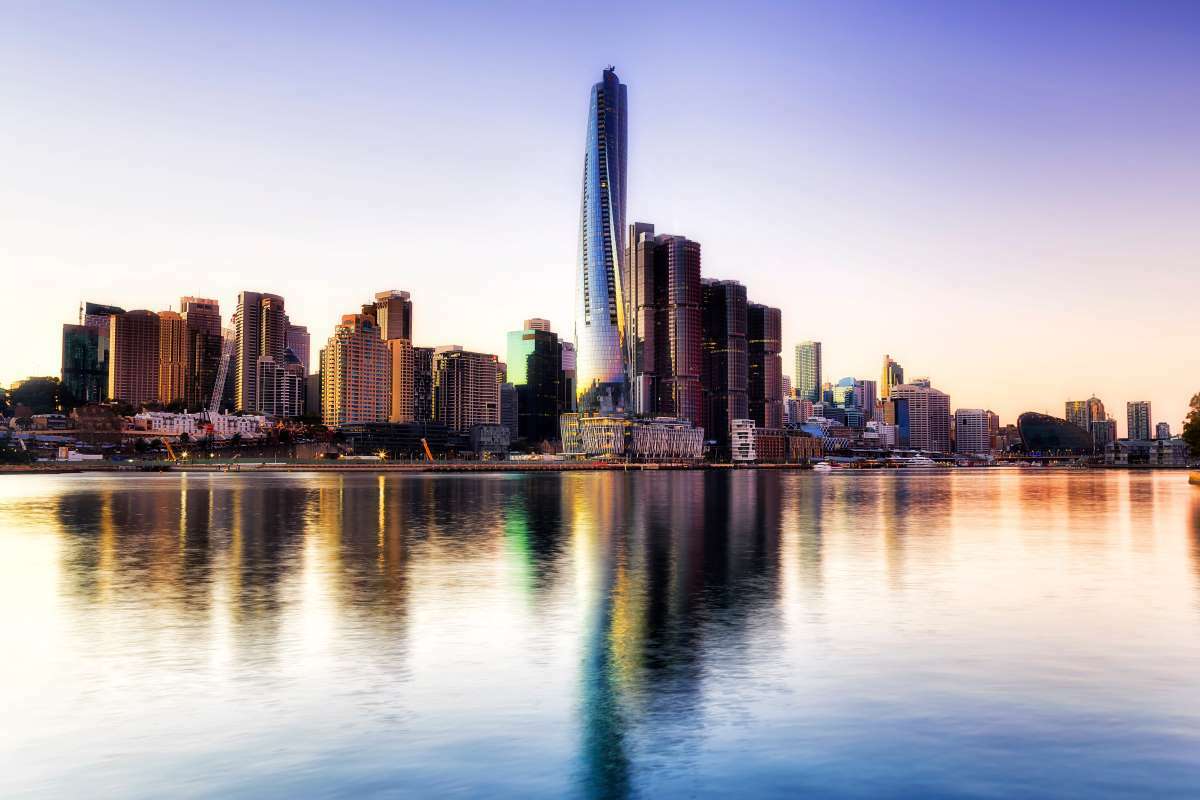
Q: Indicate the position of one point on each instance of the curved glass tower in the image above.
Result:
(599, 308)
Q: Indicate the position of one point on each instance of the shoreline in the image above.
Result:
(251, 468)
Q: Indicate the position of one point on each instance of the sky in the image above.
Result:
(1004, 196)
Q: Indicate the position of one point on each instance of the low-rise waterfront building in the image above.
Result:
(223, 426)
(666, 439)
(397, 440)
(1147, 452)
(492, 439)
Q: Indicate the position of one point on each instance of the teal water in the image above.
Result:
(699, 634)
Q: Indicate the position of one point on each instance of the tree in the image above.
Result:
(42, 395)
(236, 439)
(185, 438)
(1191, 425)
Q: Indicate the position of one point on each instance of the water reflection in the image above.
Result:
(603, 635)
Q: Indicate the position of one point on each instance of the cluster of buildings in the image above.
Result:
(665, 363)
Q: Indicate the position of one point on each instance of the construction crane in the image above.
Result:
(428, 454)
(228, 340)
(170, 450)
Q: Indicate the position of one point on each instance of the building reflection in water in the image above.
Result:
(684, 566)
(649, 597)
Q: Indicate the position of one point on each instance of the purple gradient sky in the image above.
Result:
(1004, 196)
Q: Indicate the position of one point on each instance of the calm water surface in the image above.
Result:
(965, 634)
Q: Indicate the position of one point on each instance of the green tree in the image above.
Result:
(185, 438)
(41, 395)
(1191, 425)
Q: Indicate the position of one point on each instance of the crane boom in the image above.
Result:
(425, 444)
(228, 340)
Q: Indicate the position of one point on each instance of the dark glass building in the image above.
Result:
(599, 307)
(202, 317)
(84, 374)
(665, 331)
(422, 384)
(95, 316)
(724, 367)
(764, 387)
(535, 370)
(1041, 433)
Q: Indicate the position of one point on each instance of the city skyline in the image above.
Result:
(159, 212)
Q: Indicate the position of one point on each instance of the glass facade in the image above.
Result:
(764, 334)
(726, 360)
(808, 371)
(535, 370)
(664, 325)
(84, 374)
(599, 307)
(1041, 433)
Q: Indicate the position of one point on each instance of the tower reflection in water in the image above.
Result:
(599, 634)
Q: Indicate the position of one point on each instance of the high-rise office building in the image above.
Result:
(787, 386)
(972, 432)
(725, 369)
(510, 405)
(393, 313)
(928, 416)
(1104, 432)
(1077, 414)
(1084, 412)
(422, 384)
(864, 397)
(893, 375)
(1162, 430)
(599, 306)
(1137, 416)
(808, 371)
(95, 317)
(842, 393)
(202, 319)
(298, 344)
(663, 324)
(280, 389)
(133, 357)
(764, 383)
(535, 371)
(172, 357)
(83, 373)
(566, 391)
(260, 325)
(402, 402)
(466, 388)
(355, 374)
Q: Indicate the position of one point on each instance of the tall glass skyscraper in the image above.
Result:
(599, 305)
(808, 371)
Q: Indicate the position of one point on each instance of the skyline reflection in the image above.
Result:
(597, 635)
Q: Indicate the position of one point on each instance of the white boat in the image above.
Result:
(920, 461)
(822, 466)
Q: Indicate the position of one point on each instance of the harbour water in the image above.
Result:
(969, 633)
